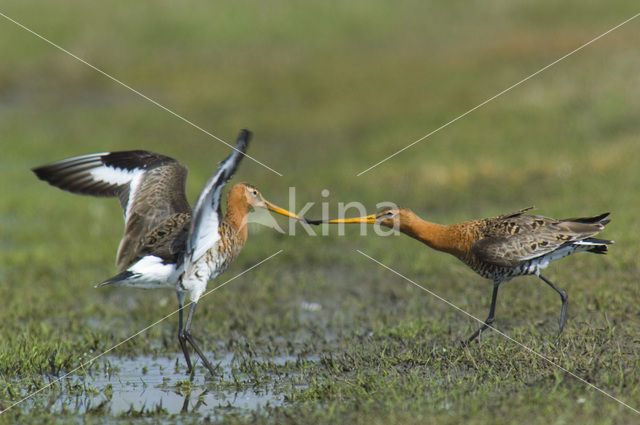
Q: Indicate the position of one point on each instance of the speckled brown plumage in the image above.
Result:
(503, 247)
(500, 247)
(166, 244)
(167, 241)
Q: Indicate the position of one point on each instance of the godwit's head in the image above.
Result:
(244, 197)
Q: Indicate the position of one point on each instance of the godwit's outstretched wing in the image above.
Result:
(207, 213)
(150, 187)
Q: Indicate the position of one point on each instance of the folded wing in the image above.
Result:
(511, 240)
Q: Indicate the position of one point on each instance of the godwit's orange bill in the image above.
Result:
(277, 209)
(370, 219)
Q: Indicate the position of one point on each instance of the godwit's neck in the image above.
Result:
(236, 220)
(436, 236)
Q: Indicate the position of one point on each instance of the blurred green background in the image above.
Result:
(329, 89)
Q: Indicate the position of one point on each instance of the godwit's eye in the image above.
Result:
(255, 193)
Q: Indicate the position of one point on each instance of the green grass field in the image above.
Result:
(329, 89)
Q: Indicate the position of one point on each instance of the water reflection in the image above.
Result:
(149, 383)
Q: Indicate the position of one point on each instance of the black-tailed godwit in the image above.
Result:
(500, 248)
(165, 244)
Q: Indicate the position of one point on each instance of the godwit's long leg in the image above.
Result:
(492, 311)
(186, 334)
(181, 338)
(563, 296)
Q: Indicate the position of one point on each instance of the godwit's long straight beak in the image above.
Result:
(279, 210)
(370, 219)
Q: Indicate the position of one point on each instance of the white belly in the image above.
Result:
(197, 275)
(150, 272)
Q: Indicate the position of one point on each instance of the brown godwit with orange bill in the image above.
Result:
(500, 248)
(165, 244)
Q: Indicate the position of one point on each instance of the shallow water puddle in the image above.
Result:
(161, 386)
(147, 383)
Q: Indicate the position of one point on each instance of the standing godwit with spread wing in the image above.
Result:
(164, 245)
(500, 248)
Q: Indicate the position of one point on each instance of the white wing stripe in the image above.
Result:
(133, 188)
(111, 175)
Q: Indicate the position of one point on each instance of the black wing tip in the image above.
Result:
(47, 173)
(601, 219)
(41, 172)
(243, 140)
(57, 171)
